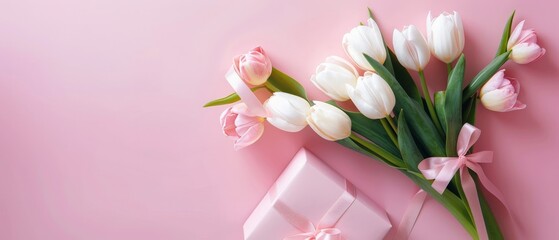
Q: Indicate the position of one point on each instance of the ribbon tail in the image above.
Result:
(469, 186)
(410, 215)
(491, 188)
(487, 184)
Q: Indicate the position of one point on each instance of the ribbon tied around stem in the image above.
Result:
(442, 170)
(254, 105)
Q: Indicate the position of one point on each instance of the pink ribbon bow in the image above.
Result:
(326, 229)
(442, 169)
(255, 107)
(322, 234)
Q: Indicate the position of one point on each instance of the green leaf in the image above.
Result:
(419, 122)
(453, 106)
(225, 100)
(349, 143)
(482, 77)
(506, 35)
(450, 201)
(410, 153)
(231, 98)
(388, 61)
(367, 150)
(404, 78)
(398, 71)
(285, 83)
(371, 130)
(439, 108)
(371, 15)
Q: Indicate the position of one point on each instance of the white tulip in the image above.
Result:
(411, 48)
(287, 112)
(445, 35)
(365, 39)
(332, 76)
(372, 96)
(329, 122)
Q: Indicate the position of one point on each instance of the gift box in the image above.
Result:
(311, 201)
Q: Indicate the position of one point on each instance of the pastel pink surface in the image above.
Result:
(310, 188)
(103, 135)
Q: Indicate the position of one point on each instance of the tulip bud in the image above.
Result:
(329, 122)
(524, 45)
(445, 35)
(332, 76)
(287, 112)
(500, 94)
(254, 67)
(242, 127)
(365, 40)
(372, 96)
(411, 49)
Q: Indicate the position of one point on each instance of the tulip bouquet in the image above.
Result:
(426, 137)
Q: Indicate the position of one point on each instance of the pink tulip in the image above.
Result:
(243, 128)
(524, 45)
(254, 67)
(500, 94)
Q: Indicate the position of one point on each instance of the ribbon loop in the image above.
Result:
(325, 230)
(467, 137)
(323, 234)
(443, 169)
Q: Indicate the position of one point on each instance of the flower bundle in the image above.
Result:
(427, 137)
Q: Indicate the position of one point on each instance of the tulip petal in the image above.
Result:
(329, 122)
(287, 112)
(364, 39)
(284, 125)
(459, 32)
(524, 53)
(253, 67)
(372, 96)
(227, 120)
(517, 106)
(500, 100)
(515, 35)
(251, 136)
(338, 61)
(494, 82)
(446, 36)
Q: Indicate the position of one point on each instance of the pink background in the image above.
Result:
(103, 135)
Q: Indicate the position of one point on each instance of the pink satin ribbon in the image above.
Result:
(325, 230)
(254, 105)
(410, 215)
(442, 170)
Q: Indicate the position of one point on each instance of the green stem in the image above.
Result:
(392, 124)
(427, 96)
(456, 181)
(389, 130)
(271, 87)
(379, 151)
(448, 68)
